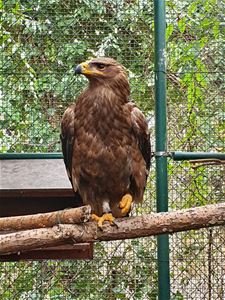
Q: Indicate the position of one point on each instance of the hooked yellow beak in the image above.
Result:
(85, 69)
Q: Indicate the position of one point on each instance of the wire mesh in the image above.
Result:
(42, 41)
(196, 107)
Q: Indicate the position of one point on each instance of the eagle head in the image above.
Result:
(104, 70)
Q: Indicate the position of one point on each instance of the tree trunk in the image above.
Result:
(127, 228)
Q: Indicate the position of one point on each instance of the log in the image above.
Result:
(68, 216)
(128, 228)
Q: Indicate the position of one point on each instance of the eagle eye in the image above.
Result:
(100, 66)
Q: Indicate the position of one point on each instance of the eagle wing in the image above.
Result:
(141, 132)
(67, 137)
(140, 152)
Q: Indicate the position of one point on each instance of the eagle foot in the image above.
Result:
(125, 204)
(106, 217)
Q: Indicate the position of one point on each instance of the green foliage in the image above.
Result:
(43, 41)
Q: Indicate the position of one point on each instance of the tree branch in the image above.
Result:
(206, 162)
(68, 216)
(128, 228)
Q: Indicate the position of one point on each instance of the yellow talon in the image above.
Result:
(95, 217)
(106, 217)
(125, 204)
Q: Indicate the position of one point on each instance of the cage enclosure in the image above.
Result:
(42, 41)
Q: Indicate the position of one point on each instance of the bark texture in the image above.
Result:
(68, 216)
(127, 228)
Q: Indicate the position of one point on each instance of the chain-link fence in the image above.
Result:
(196, 122)
(42, 41)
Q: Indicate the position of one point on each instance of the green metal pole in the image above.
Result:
(178, 155)
(52, 155)
(161, 142)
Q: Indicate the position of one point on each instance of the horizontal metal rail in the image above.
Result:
(177, 155)
(54, 155)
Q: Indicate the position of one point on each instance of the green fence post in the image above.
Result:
(161, 140)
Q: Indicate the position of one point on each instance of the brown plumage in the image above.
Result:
(105, 140)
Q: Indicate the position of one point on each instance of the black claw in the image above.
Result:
(116, 224)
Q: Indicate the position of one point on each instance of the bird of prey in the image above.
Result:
(105, 142)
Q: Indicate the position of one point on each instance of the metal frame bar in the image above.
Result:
(56, 155)
(176, 155)
(161, 144)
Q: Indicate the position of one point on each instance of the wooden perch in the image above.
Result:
(67, 216)
(133, 227)
(206, 162)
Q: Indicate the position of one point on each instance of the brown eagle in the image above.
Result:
(105, 142)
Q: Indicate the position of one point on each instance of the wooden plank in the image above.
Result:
(26, 206)
(29, 186)
(77, 251)
(22, 174)
(40, 193)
